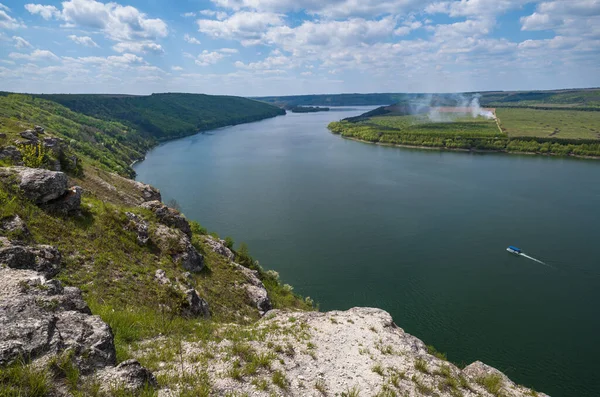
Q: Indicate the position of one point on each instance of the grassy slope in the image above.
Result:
(562, 124)
(167, 116)
(103, 259)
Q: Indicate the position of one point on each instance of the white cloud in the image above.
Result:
(83, 40)
(21, 42)
(46, 12)
(3, 7)
(229, 50)
(209, 58)
(111, 61)
(248, 27)
(139, 47)
(570, 18)
(36, 55)
(220, 15)
(177, 68)
(191, 39)
(474, 8)
(188, 14)
(120, 23)
(8, 22)
(276, 61)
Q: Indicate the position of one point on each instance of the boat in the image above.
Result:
(514, 250)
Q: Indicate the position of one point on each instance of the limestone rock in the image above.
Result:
(218, 246)
(11, 153)
(40, 318)
(196, 306)
(39, 129)
(128, 375)
(14, 225)
(169, 216)
(138, 225)
(161, 277)
(42, 258)
(179, 246)
(68, 203)
(255, 289)
(38, 185)
(29, 135)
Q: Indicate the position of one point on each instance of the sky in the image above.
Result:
(287, 47)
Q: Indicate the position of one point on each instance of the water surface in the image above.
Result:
(421, 234)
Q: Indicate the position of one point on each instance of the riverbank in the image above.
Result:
(482, 151)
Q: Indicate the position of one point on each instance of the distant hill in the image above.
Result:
(583, 99)
(169, 115)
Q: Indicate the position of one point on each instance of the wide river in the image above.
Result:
(421, 234)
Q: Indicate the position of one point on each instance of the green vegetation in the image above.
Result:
(492, 383)
(556, 132)
(170, 115)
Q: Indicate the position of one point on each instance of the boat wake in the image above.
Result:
(535, 260)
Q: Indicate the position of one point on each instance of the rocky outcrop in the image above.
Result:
(30, 135)
(195, 306)
(12, 154)
(68, 203)
(128, 375)
(161, 277)
(218, 246)
(14, 225)
(360, 351)
(138, 225)
(255, 289)
(41, 258)
(179, 246)
(168, 216)
(38, 185)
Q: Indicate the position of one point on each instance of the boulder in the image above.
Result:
(168, 216)
(218, 246)
(39, 129)
(138, 225)
(11, 153)
(147, 192)
(41, 258)
(128, 375)
(40, 319)
(196, 306)
(178, 245)
(51, 142)
(30, 135)
(68, 203)
(255, 289)
(14, 225)
(38, 185)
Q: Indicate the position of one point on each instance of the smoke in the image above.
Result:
(445, 108)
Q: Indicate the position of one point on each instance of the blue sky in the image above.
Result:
(286, 47)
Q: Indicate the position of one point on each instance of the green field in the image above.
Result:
(420, 124)
(560, 124)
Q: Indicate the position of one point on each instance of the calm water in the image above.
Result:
(421, 234)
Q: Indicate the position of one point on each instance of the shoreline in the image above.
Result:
(482, 151)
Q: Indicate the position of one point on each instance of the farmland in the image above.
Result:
(560, 124)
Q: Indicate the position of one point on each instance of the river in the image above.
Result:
(419, 233)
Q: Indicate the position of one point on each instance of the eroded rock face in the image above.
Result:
(218, 246)
(128, 375)
(38, 185)
(41, 318)
(255, 289)
(29, 135)
(41, 258)
(196, 306)
(68, 203)
(169, 216)
(179, 246)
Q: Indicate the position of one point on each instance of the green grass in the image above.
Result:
(492, 383)
(561, 124)
(21, 379)
(278, 378)
(421, 365)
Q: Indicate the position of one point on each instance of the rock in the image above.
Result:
(39, 129)
(128, 375)
(161, 277)
(68, 203)
(218, 246)
(255, 289)
(196, 306)
(30, 135)
(38, 185)
(14, 225)
(179, 246)
(2, 135)
(40, 319)
(149, 193)
(11, 153)
(41, 258)
(51, 142)
(168, 216)
(138, 225)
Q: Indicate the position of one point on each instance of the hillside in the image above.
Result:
(588, 99)
(106, 291)
(170, 115)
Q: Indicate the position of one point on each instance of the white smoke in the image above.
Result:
(477, 110)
